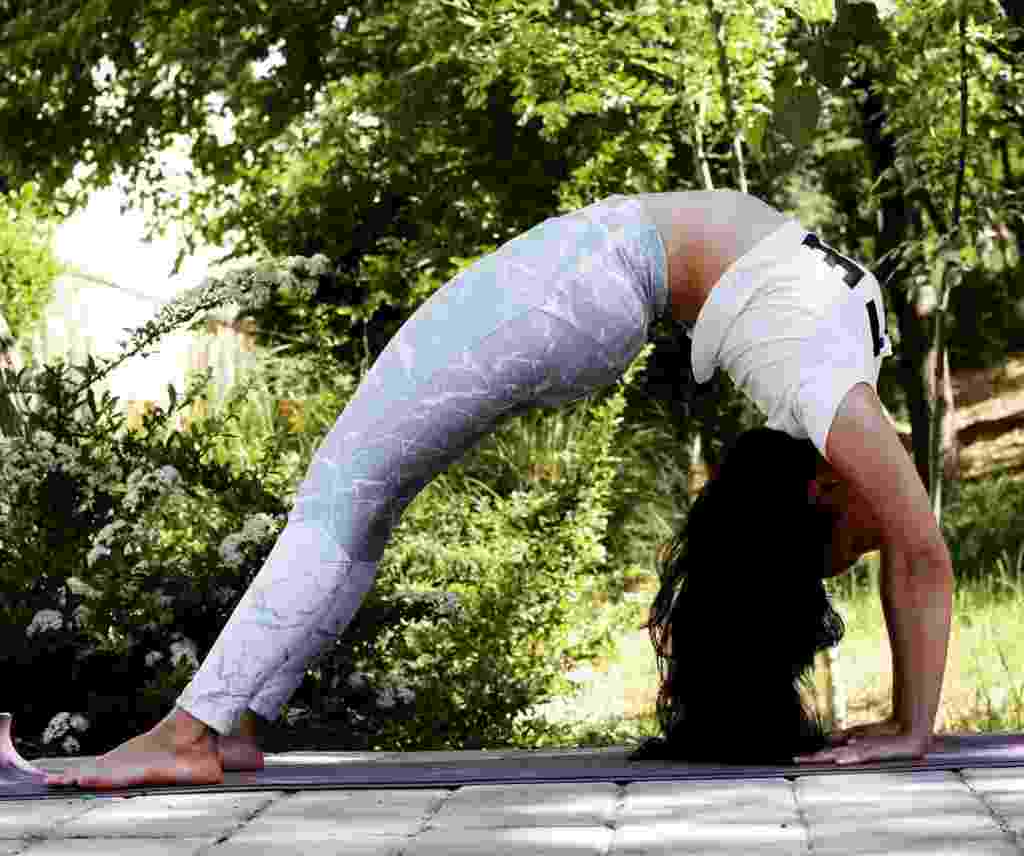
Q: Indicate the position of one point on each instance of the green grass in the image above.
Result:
(983, 688)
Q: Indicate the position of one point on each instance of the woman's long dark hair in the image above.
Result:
(742, 610)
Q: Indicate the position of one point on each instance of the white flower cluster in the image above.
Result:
(257, 528)
(96, 553)
(251, 286)
(100, 543)
(385, 698)
(183, 649)
(388, 697)
(229, 550)
(62, 726)
(144, 488)
(148, 485)
(44, 620)
(25, 462)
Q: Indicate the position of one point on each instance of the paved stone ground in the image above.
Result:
(971, 812)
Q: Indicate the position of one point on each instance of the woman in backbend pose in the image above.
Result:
(547, 318)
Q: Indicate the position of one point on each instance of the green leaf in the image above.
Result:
(827, 59)
(796, 112)
(755, 132)
(860, 21)
(813, 11)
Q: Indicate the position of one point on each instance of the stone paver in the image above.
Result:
(512, 841)
(1003, 791)
(168, 816)
(548, 805)
(923, 847)
(854, 814)
(119, 846)
(370, 823)
(35, 818)
(759, 801)
(863, 813)
(279, 843)
(709, 818)
(690, 838)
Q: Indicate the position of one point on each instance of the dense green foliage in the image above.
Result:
(27, 270)
(982, 527)
(27, 263)
(403, 137)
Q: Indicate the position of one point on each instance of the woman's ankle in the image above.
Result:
(182, 727)
(251, 726)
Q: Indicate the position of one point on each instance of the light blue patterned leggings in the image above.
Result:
(548, 318)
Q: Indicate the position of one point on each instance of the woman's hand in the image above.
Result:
(884, 728)
(875, 741)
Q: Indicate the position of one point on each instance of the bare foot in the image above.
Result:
(240, 751)
(240, 754)
(181, 750)
(9, 757)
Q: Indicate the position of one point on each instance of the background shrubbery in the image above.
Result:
(984, 526)
(27, 263)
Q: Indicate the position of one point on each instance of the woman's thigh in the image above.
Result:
(546, 319)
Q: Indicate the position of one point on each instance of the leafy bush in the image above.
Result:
(28, 266)
(982, 525)
(121, 554)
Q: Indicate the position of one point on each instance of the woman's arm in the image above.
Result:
(888, 613)
(917, 578)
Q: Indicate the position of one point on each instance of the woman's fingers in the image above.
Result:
(866, 749)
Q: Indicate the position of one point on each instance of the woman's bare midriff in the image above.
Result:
(704, 232)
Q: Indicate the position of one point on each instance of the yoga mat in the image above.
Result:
(322, 771)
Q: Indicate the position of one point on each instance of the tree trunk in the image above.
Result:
(699, 466)
(898, 221)
(700, 154)
(830, 693)
(718, 31)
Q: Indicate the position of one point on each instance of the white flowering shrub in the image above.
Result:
(122, 552)
(62, 733)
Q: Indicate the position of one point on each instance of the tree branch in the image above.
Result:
(962, 169)
(717, 27)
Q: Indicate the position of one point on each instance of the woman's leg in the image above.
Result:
(548, 318)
